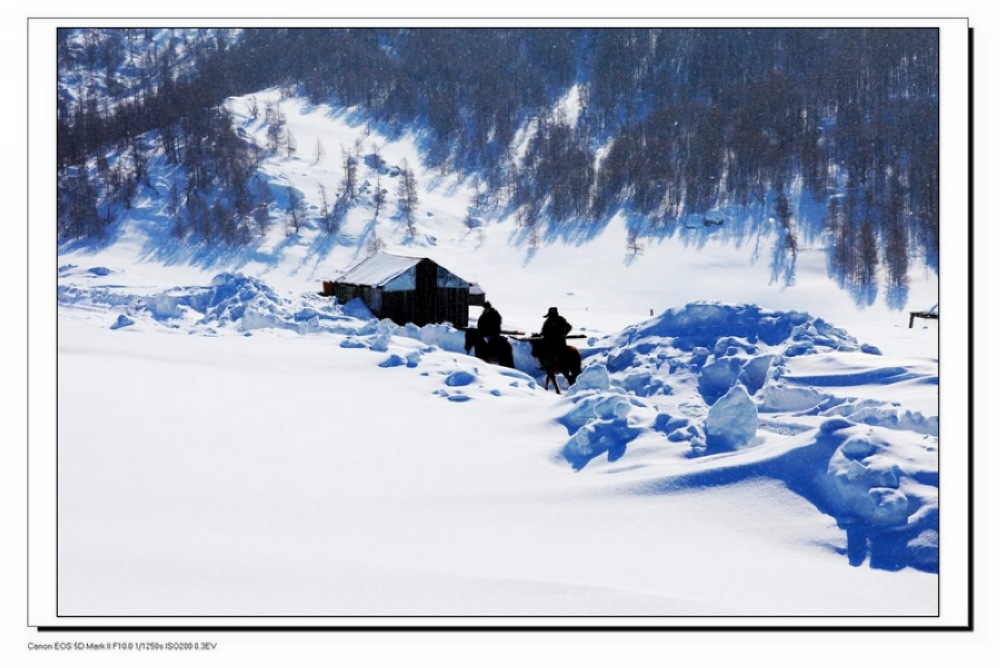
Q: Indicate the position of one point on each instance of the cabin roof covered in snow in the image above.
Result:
(379, 269)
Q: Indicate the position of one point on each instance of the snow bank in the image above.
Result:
(232, 302)
(713, 348)
(710, 324)
(243, 304)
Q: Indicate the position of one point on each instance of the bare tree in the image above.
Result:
(179, 229)
(374, 243)
(295, 210)
(406, 198)
(783, 212)
(350, 174)
(324, 210)
(275, 127)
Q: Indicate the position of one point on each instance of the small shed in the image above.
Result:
(477, 296)
(405, 289)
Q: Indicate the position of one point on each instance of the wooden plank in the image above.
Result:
(541, 338)
(927, 315)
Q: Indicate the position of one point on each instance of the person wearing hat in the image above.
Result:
(555, 329)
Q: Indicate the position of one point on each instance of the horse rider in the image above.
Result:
(554, 330)
(489, 326)
(489, 321)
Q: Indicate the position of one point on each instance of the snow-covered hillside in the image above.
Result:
(232, 443)
(595, 274)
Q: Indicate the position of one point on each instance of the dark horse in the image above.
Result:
(495, 350)
(566, 360)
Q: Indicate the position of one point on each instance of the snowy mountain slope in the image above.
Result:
(728, 427)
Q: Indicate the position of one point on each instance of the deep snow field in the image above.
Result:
(231, 443)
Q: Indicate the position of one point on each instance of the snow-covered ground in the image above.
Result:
(231, 443)
(228, 470)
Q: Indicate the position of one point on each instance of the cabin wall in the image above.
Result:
(447, 305)
(453, 306)
(400, 307)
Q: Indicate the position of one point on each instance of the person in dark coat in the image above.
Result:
(495, 346)
(489, 321)
(555, 329)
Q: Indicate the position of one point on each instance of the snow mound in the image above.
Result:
(393, 360)
(598, 421)
(882, 487)
(688, 358)
(460, 378)
(709, 324)
(122, 321)
(357, 309)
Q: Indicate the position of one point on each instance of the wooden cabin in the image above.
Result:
(405, 289)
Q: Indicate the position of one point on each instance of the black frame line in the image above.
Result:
(560, 627)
